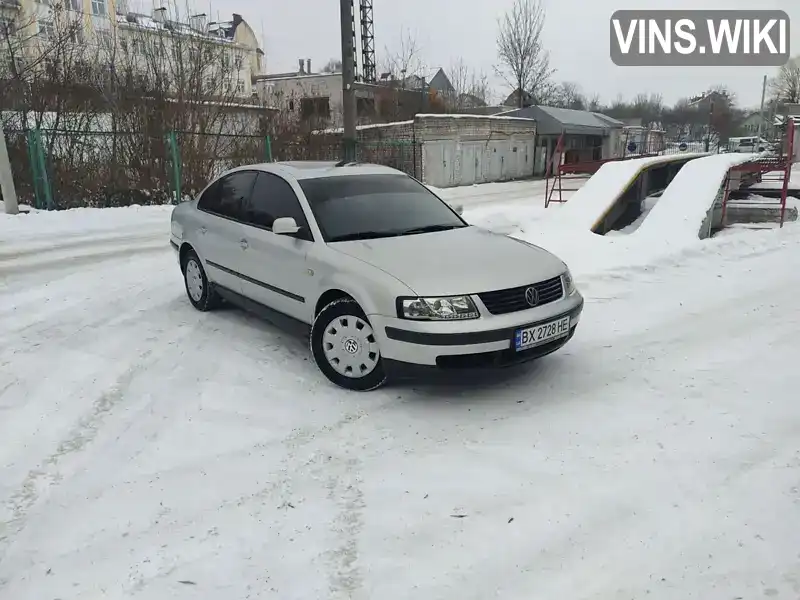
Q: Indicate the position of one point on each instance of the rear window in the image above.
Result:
(370, 205)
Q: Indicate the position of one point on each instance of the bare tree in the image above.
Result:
(568, 95)
(334, 65)
(593, 104)
(27, 42)
(785, 86)
(523, 61)
(470, 87)
(402, 75)
(405, 61)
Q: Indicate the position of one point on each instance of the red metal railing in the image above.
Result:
(778, 169)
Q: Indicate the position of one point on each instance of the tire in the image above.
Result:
(342, 331)
(200, 291)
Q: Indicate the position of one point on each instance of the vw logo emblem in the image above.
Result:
(351, 346)
(532, 296)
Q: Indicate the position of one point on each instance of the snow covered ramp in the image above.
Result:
(590, 205)
(683, 207)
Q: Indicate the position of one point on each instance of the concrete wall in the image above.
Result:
(285, 93)
(454, 150)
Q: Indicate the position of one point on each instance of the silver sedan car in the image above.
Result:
(386, 274)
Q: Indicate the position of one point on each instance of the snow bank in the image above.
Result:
(678, 215)
(78, 221)
(599, 193)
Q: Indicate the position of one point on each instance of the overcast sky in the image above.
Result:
(576, 33)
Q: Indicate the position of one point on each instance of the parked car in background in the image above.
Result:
(385, 273)
(748, 144)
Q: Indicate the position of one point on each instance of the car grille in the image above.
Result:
(502, 302)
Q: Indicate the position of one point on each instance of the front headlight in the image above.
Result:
(569, 283)
(445, 308)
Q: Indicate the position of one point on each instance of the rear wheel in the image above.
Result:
(201, 292)
(345, 348)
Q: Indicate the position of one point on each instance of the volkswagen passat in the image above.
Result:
(384, 272)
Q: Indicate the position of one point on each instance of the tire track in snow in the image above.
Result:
(40, 480)
(56, 259)
(344, 491)
(65, 244)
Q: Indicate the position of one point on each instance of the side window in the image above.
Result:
(209, 201)
(272, 198)
(234, 193)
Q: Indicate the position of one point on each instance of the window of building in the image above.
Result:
(76, 5)
(315, 107)
(240, 86)
(99, 7)
(47, 30)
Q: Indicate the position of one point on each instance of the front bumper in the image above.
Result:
(470, 344)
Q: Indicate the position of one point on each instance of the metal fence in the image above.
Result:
(59, 169)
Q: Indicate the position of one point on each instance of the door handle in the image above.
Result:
(243, 244)
(203, 230)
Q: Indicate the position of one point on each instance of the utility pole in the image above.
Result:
(710, 124)
(6, 179)
(761, 110)
(348, 80)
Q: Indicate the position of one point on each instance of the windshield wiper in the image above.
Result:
(363, 235)
(429, 229)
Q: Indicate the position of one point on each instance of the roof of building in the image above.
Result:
(223, 31)
(554, 121)
(441, 82)
(295, 75)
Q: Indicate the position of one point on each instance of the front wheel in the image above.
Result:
(344, 347)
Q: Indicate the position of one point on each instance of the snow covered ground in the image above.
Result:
(150, 451)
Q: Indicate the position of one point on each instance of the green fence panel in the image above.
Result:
(43, 193)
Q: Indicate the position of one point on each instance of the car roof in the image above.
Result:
(310, 169)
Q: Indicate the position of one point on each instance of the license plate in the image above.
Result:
(540, 334)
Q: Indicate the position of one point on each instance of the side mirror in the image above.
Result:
(285, 226)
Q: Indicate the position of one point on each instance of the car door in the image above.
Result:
(274, 266)
(219, 238)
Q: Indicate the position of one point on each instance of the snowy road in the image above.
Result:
(150, 451)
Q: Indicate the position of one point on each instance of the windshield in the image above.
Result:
(359, 207)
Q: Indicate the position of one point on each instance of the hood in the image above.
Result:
(469, 260)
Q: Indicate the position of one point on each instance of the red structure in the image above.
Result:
(556, 172)
(778, 170)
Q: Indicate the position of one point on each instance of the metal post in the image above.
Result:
(710, 123)
(6, 179)
(268, 148)
(790, 150)
(761, 110)
(348, 79)
(41, 167)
